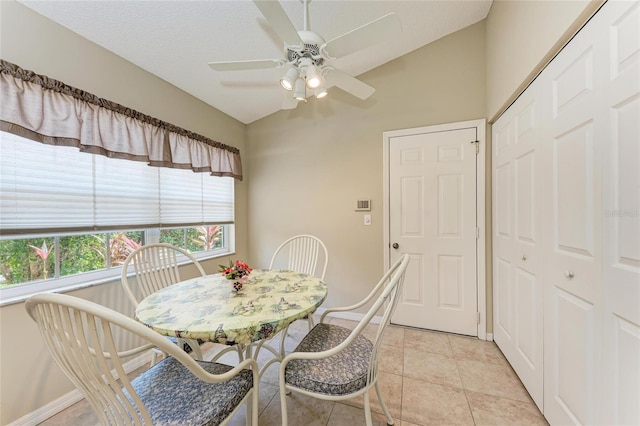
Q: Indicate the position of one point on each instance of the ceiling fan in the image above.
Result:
(307, 57)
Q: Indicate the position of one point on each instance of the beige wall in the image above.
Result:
(28, 379)
(308, 166)
(520, 34)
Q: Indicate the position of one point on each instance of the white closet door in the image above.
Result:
(620, 101)
(593, 102)
(518, 285)
(581, 180)
(573, 270)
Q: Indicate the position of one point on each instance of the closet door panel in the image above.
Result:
(503, 233)
(503, 308)
(574, 384)
(621, 226)
(517, 223)
(572, 276)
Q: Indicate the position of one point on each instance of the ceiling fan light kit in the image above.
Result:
(300, 92)
(321, 92)
(307, 54)
(288, 79)
(312, 76)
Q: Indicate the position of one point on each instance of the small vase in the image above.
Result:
(237, 286)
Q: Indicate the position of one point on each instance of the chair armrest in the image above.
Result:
(205, 376)
(196, 369)
(353, 307)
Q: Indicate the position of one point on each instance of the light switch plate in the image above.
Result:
(367, 219)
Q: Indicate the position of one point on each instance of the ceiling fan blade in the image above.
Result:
(279, 21)
(367, 35)
(349, 84)
(289, 102)
(246, 65)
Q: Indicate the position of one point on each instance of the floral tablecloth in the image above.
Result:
(208, 308)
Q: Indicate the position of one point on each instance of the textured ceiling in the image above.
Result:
(175, 40)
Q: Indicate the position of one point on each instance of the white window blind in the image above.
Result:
(47, 188)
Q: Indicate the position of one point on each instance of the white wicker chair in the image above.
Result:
(156, 267)
(336, 363)
(83, 338)
(302, 253)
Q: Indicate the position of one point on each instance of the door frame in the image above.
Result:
(480, 125)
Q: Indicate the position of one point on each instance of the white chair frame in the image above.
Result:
(389, 295)
(304, 252)
(79, 334)
(155, 267)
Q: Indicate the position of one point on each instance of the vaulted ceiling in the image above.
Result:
(175, 40)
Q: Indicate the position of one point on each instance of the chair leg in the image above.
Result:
(310, 320)
(283, 400)
(196, 349)
(250, 414)
(252, 410)
(283, 333)
(367, 410)
(382, 404)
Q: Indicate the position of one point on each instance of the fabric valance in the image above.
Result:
(48, 111)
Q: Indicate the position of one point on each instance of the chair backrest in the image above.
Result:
(80, 336)
(155, 267)
(388, 289)
(303, 253)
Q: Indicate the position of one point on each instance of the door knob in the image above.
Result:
(395, 245)
(569, 274)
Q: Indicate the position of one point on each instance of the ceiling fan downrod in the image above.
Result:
(306, 14)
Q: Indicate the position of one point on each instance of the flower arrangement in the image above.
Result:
(237, 272)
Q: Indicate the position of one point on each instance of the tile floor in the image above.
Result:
(426, 378)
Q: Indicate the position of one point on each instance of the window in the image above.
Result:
(69, 218)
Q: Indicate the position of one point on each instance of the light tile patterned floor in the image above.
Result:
(426, 378)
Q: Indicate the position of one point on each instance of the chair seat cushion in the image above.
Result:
(341, 374)
(174, 396)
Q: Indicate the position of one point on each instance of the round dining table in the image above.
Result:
(209, 309)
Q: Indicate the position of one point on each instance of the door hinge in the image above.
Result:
(477, 144)
(478, 317)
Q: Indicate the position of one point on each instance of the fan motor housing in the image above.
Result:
(312, 43)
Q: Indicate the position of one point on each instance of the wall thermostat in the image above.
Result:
(363, 206)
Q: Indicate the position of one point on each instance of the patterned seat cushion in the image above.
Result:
(174, 396)
(341, 374)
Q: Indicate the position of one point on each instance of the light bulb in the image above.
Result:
(313, 77)
(321, 92)
(299, 91)
(289, 78)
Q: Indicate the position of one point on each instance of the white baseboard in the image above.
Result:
(67, 400)
(489, 337)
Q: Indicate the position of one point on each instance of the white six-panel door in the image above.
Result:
(573, 268)
(432, 216)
